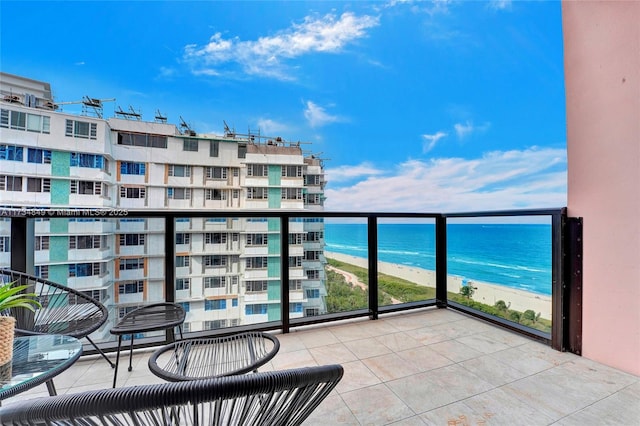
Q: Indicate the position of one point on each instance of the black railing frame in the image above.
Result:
(22, 232)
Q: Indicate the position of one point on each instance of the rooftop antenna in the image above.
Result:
(186, 127)
(128, 115)
(227, 131)
(160, 118)
(87, 102)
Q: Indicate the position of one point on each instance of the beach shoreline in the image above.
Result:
(487, 293)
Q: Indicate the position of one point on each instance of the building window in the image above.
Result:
(185, 305)
(313, 293)
(257, 239)
(242, 150)
(81, 129)
(216, 172)
(84, 269)
(5, 244)
(214, 148)
(312, 274)
(10, 183)
(131, 287)
(42, 243)
(291, 193)
(214, 324)
(256, 286)
(179, 171)
(214, 260)
(256, 309)
(23, 121)
(85, 187)
(132, 192)
(215, 238)
(215, 194)
(79, 159)
(312, 180)
(258, 170)
(295, 285)
(295, 307)
(213, 305)
(42, 271)
(257, 193)
(38, 185)
(312, 255)
(179, 193)
(183, 283)
(127, 168)
(39, 156)
(84, 241)
(182, 261)
(132, 239)
(312, 312)
(215, 282)
(256, 262)
(295, 261)
(291, 171)
(313, 199)
(295, 239)
(190, 145)
(11, 152)
(183, 238)
(134, 263)
(234, 302)
(142, 139)
(314, 236)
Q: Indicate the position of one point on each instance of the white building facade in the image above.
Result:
(227, 269)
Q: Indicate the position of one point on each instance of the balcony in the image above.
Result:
(428, 366)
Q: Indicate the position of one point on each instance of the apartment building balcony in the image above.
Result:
(426, 367)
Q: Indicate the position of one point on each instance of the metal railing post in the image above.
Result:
(441, 262)
(372, 232)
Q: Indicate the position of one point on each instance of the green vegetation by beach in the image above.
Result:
(342, 296)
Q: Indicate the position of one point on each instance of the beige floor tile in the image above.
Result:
(356, 376)
(454, 350)
(366, 348)
(336, 353)
(390, 366)
(376, 405)
(296, 359)
(398, 341)
(424, 358)
(332, 411)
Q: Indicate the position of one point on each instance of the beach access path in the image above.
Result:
(487, 293)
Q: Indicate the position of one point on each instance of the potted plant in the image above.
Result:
(11, 296)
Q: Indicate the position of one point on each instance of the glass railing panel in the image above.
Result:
(502, 266)
(228, 272)
(5, 242)
(406, 260)
(346, 270)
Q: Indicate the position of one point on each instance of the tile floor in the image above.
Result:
(428, 367)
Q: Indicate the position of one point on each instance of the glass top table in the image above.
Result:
(38, 359)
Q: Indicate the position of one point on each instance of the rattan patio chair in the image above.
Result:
(271, 398)
(64, 311)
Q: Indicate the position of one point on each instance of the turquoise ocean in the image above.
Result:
(512, 255)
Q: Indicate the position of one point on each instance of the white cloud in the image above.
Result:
(317, 116)
(430, 141)
(464, 130)
(346, 173)
(500, 4)
(532, 178)
(270, 127)
(267, 56)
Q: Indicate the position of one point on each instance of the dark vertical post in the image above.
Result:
(22, 245)
(558, 285)
(573, 340)
(372, 232)
(170, 264)
(284, 272)
(441, 262)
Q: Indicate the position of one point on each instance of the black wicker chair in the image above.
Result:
(64, 311)
(269, 398)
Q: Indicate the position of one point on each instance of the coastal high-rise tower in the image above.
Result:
(227, 269)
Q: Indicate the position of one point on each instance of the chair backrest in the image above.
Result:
(284, 397)
(64, 310)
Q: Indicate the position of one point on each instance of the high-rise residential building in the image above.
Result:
(227, 269)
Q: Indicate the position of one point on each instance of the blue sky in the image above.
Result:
(415, 106)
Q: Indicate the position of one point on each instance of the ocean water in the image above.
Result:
(512, 255)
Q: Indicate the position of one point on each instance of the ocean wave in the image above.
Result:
(499, 265)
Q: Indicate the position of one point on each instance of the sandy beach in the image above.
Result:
(487, 293)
